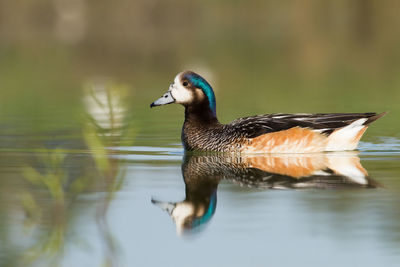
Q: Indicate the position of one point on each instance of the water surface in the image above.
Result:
(86, 196)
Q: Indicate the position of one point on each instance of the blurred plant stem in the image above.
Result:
(50, 176)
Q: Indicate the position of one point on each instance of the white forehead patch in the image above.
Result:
(179, 92)
(177, 78)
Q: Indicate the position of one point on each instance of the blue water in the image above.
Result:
(116, 223)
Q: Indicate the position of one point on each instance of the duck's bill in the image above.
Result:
(167, 98)
(165, 206)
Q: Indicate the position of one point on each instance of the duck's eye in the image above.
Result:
(185, 83)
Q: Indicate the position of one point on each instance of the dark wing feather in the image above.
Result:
(254, 126)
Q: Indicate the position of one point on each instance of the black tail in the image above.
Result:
(374, 118)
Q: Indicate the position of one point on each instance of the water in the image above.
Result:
(84, 200)
(98, 184)
(99, 179)
(352, 225)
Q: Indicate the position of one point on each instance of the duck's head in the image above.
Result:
(190, 90)
(190, 216)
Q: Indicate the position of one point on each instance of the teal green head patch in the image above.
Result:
(201, 83)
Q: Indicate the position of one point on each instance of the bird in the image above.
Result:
(269, 133)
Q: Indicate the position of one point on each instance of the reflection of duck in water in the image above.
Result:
(198, 207)
(202, 174)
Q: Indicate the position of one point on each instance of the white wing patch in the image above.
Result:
(346, 137)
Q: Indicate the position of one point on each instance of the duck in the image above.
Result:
(269, 133)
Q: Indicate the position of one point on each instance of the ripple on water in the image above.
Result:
(386, 146)
(146, 153)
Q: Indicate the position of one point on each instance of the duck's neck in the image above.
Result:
(200, 121)
(200, 114)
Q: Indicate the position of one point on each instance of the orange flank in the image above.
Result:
(305, 140)
(293, 140)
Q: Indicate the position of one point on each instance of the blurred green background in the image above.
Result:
(260, 57)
